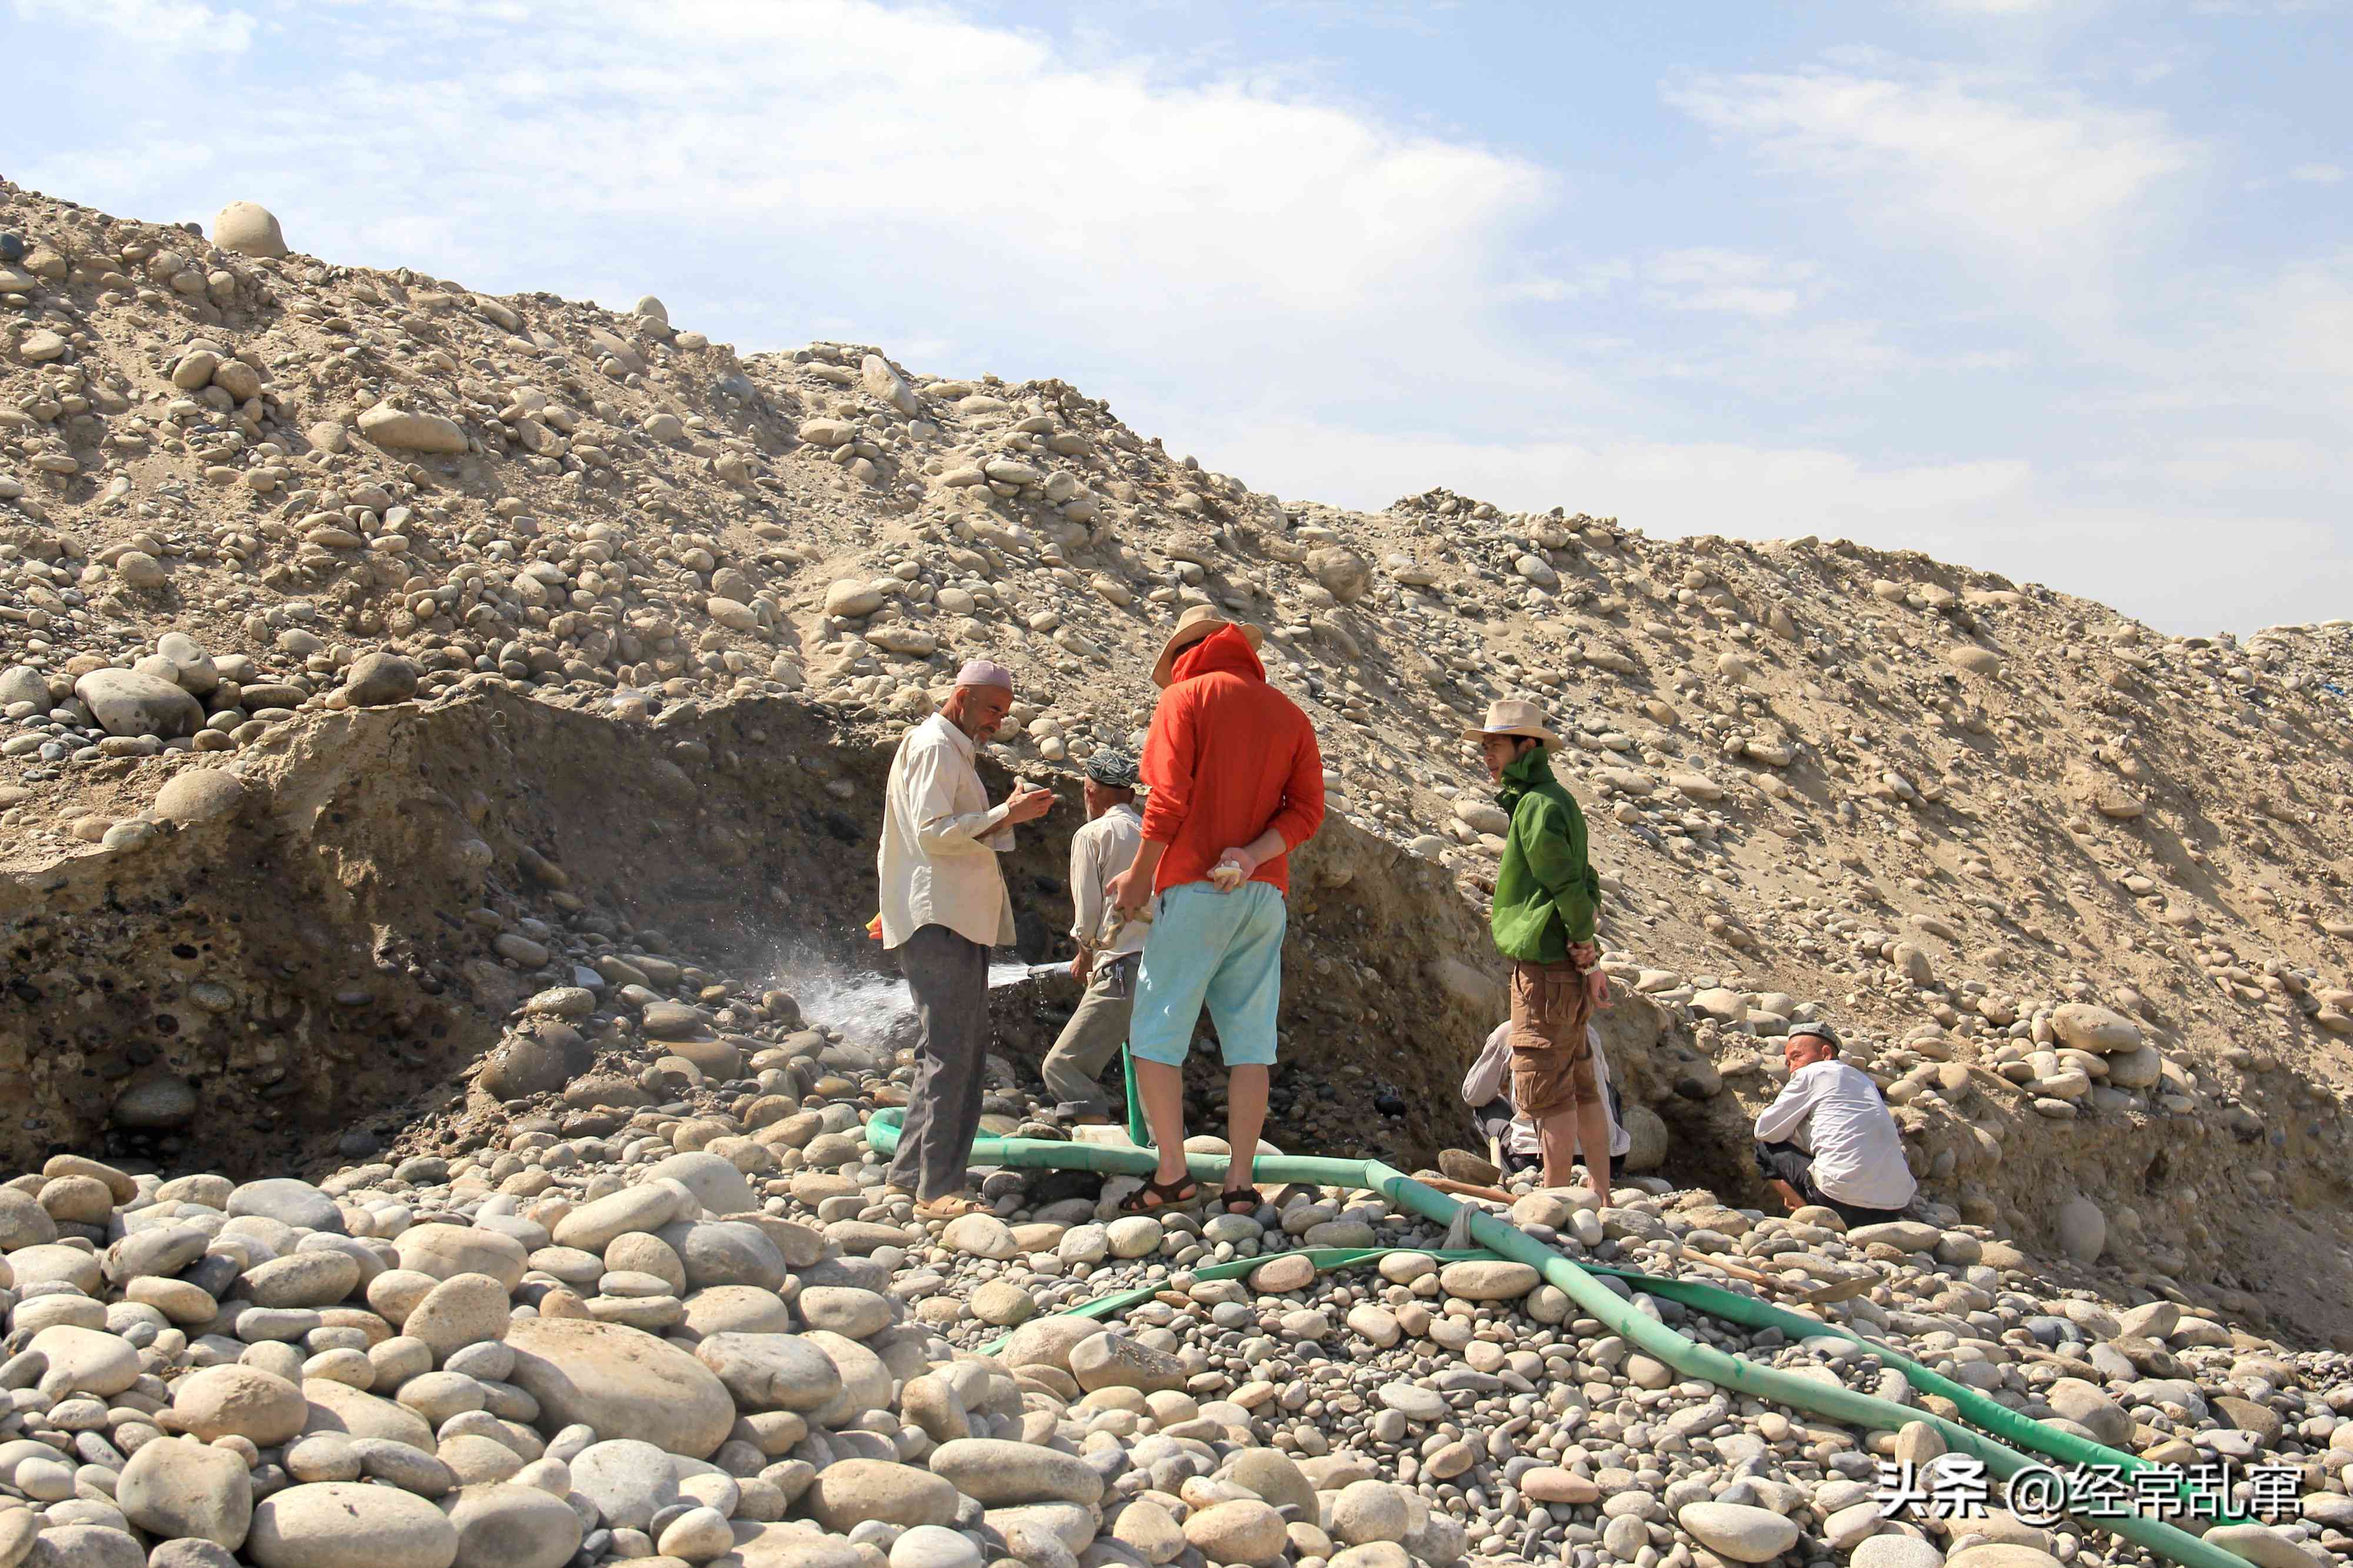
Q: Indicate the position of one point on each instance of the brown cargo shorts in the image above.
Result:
(1552, 1061)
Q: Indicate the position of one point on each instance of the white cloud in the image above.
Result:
(170, 27)
(1305, 291)
(2041, 179)
(2150, 556)
(1662, 488)
(1999, 7)
(2317, 174)
(1736, 282)
(902, 165)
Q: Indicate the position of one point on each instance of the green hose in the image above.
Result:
(1654, 1338)
(1325, 1258)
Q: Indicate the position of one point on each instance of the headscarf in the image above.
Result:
(1112, 769)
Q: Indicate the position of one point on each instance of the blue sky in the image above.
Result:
(2061, 288)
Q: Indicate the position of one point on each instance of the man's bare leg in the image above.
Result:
(1162, 1090)
(1556, 1134)
(1593, 1136)
(1246, 1090)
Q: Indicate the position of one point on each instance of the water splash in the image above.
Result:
(864, 1005)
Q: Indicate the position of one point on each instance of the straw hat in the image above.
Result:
(1198, 622)
(1511, 716)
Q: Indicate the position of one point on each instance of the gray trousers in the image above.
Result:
(948, 975)
(1073, 1068)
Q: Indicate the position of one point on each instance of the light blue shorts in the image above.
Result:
(1222, 949)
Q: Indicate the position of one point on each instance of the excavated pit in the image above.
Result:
(315, 964)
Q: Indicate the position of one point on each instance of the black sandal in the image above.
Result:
(1243, 1199)
(1172, 1194)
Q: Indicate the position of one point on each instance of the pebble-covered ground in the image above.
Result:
(706, 1336)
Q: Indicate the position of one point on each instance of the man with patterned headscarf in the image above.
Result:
(1108, 945)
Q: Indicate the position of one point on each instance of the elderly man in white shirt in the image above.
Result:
(1099, 851)
(1828, 1138)
(944, 905)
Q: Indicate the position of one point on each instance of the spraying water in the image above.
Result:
(863, 1004)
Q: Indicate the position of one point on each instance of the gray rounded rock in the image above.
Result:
(289, 1201)
(177, 1487)
(1741, 1531)
(996, 1472)
(239, 1401)
(346, 1524)
(629, 1482)
(772, 1372)
(849, 1493)
(502, 1525)
(445, 1251)
(621, 1381)
(85, 1546)
(378, 679)
(199, 794)
(461, 1310)
(126, 702)
(248, 228)
(1893, 1551)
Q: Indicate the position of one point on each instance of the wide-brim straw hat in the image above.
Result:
(1513, 717)
(1198, 622)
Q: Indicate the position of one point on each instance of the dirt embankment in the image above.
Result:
(388, 887)
(325, 959)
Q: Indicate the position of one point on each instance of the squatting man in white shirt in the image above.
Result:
(1828, 1138)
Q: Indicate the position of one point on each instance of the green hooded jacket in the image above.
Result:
(1545, 889)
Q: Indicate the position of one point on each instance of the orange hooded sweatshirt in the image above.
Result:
(1228, 758)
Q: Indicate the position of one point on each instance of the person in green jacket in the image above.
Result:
(1547, 895)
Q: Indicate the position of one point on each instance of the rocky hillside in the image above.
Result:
(443, 746)
(2076, 887)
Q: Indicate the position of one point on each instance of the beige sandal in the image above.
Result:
(955, 1205)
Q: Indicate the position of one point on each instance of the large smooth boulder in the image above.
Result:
(89, 1360)
(398, 430)
(849, 1493)
(461, 1310)
(198, 794)
(126, 702)
(1242, 1531)
(622, 1382)
(175, 1486)
(648, 1206)
(239, 1402)
(1741, 1531)
(629, 1482)
(997, 1472)
(377, 679)
(289, 1201)
(715, 1181)
(339, 1407)
(501, 1525)
(772, 1372)
(345, 1524)
(2098, 1029)
(248, 228)
(445, 1251)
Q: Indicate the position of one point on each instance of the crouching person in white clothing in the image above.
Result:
(1511, 1140)
(1828, 1139)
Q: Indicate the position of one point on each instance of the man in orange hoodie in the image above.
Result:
(1237, 783)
